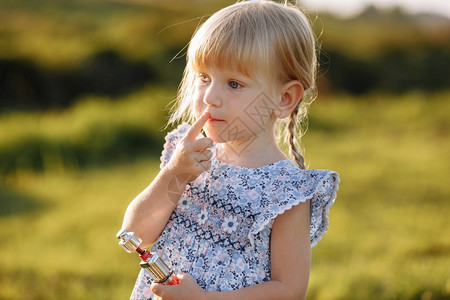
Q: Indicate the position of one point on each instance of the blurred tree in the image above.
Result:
(349, 74)
(25, 85)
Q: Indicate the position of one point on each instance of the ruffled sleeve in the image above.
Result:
(172, 140)
(319, 186)
(326, 186)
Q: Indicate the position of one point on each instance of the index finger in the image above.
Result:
(196, 128)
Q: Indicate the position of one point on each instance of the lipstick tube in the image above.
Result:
(160, 271)
(157, 268)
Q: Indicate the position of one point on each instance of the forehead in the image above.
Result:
(227, 45)
(225, 61)
(231, 59)
(222, 69)
(239, 39)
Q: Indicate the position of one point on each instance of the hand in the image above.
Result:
(191, 156)
(187, 289)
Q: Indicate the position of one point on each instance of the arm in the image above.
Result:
(290, 265)
(148, 213)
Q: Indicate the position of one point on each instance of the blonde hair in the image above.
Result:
(260, 39)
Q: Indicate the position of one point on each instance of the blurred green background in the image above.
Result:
(85, 87)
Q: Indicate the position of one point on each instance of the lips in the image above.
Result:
(212, 119)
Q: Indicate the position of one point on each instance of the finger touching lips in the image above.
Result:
(196, 128)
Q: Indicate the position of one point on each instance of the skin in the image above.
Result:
(221, 97)
(226, 95)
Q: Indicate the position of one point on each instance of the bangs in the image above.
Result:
(231, 40)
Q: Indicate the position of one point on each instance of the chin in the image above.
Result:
(214, 135)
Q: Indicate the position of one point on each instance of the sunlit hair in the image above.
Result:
(268, 41)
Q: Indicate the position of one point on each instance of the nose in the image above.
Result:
(212, 96)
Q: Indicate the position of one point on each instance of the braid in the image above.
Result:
(293, 150)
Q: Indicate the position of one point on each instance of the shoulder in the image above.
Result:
(292, 181)
(290, 186)
(178, 132)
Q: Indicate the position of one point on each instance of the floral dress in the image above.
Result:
(219, 233)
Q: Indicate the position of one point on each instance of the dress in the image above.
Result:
(219, 232)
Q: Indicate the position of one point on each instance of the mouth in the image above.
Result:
(211, 119)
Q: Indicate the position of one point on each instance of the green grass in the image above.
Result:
(95, 131)
(65, 246)
(388, 236)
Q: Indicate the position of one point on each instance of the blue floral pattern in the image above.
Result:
(220, 231)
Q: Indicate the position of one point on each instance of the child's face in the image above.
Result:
(240, 107)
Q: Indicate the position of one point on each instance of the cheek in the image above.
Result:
(199, 106)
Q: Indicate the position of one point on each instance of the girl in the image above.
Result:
(230, 210)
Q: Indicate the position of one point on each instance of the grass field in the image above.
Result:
(388, 237)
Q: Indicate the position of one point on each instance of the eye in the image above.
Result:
(234, 84)
(203, 78)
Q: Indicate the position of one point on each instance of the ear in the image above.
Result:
(291, 95)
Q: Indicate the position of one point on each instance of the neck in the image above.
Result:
(250, 153)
